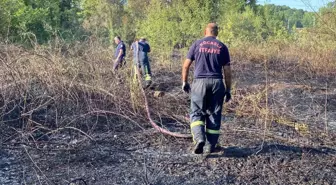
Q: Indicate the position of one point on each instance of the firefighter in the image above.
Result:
(211, 58)
(141, 61)
(119, 54)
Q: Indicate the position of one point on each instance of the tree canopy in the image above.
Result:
(166, 23)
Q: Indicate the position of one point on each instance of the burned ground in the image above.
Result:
(279, 129)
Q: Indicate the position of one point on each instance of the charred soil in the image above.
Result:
(279, 129)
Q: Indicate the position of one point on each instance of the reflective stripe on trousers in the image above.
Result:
(145, 69)
(197, 131)
(207, 96)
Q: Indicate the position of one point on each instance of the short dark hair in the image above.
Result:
(215, 31)
(117, 37)
(213, 28)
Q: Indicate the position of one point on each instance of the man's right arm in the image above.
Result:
(119, 55)
(187, 63)
(185, 68)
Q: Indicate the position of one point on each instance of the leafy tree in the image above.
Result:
(103, 17)
(326, 21)
(246, 26)
(193, 15)
(308, 20)
(38, 19)
(160, 25)
(166, 23)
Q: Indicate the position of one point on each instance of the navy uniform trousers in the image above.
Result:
(145, 67)
(207, 96)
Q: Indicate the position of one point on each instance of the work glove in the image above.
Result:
(186, 87)
(227, 95)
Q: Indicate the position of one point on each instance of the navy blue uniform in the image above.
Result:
(210, 55)
(143, 50)
(141, 60)
(120, 46)
(121, 59)
(207, 91)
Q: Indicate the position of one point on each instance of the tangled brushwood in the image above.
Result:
(66, 118)
(47, 90)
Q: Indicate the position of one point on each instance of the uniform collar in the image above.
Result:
(214, 37)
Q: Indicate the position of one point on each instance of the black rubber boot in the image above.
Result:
(199, 147)
(148, 83)
(210, 149)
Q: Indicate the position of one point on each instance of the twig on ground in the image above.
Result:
(31, 159)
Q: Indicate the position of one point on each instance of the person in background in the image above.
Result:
(211, 58)
(141, 61)
(119, 54)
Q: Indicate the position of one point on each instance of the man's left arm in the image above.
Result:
(120, 53)
(227, 74)
(227, 77)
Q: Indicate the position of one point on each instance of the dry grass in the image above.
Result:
(315, 56)
(60, 87)
(54, 88)
(303, 70)
(71, 90)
